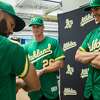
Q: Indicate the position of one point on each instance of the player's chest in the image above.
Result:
(94, 43)
(40, 50)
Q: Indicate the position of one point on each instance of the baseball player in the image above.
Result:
(48, 57)
(13, 59)
(89, 53)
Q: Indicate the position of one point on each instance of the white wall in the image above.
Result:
(69, 5)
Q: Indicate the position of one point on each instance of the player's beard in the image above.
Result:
(4, 28)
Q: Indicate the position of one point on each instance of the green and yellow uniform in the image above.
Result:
(13, 62)
(92, 44)
(41, 54)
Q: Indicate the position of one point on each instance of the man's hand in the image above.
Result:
(85, 57)
(40, 72)
(96, 62)
(19, 84)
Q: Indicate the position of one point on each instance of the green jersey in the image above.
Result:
(42, 54)
(92, 44)
(13, 62)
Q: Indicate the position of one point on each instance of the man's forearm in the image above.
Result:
(96, 62)
(54, 66)
(85, 57)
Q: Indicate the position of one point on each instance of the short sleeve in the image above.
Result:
(84, 46)
(58, 52)
(25, 46)
(20, 62)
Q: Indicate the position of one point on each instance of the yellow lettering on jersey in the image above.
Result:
(95, 45)
(39, 54)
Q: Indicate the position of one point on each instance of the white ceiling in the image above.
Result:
(37, 6)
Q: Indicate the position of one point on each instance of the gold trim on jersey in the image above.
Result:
(81, 49)
(25, 68)
(34, 60)
(38, 54)
(94, 46)
(59, 58)
(16, 42)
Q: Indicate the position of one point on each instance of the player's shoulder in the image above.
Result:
(96, 30)
(8, 42)
(15, 46)
(14, 42)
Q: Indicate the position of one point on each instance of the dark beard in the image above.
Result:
(3, 28)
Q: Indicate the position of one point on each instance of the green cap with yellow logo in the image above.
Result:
(37, 21)
(19, 23)
(92, 4)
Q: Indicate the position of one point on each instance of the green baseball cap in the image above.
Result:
(36, 21)
(19, 23)
(92, 4)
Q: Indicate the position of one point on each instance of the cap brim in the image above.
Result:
(36, 24)
(19, 23)
(87, 9)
